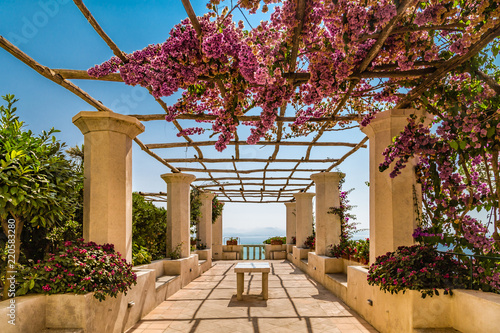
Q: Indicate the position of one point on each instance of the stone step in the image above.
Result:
(340, 278)
(162, 280)
(63, 330)
(435, 330)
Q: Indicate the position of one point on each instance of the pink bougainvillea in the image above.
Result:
(226, 71)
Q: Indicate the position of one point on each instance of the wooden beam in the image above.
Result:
(78, 74)
(449, 65)
(255, 202)
(152, 194)
(250, 178)
(161, 116)
(248, 184)
(260, 143)
(246, 160)
(117, 52)
(246, 171)
(342, 159)
(50, 74)
(152, 154)
(448, 27)
(120, 54)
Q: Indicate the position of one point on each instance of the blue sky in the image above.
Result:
(56, 34)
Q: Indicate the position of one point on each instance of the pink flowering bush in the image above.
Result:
(225, 69)
(418, 267)
(458, 166)
(80, 268)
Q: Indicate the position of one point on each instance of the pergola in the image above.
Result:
(109, 136)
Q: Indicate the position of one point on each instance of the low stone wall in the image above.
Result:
(275, 252)
(34, 313)
(466, 311)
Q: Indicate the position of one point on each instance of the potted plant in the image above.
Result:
(232, 241)
(276, 240)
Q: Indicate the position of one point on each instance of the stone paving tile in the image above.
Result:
(296, 304)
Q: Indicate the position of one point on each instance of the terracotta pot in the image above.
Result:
(234, 242)
(276, 242)
(193, 243)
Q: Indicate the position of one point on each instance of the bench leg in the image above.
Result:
(240, 281)
(265, 284)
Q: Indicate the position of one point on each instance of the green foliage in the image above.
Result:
(362, 250)
(140, 255)
(281, 238)
(217, 208)
(176, 253)
(345, 248)
(195, 209)
(37, 183)
(419, 268)
(149, 227)
(78, 267)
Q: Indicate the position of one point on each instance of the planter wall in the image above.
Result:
(68, 311)
(275, 251)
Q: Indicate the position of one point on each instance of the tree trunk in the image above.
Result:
(10, 268)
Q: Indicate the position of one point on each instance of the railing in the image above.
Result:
(253, 252)
(472, 262)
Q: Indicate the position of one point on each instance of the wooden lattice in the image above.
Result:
(237, 184)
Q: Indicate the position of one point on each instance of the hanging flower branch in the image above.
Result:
(227, 70)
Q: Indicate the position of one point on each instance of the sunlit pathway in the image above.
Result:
(296, 304)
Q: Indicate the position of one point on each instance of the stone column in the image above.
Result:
(205, 224)
(304, 221)
(392, 206)
(107, 195)
(178, 212)
(217, 238)
(290, 221)
(327, 225)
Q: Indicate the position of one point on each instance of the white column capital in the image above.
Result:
(324, 177)
(94, 121)
(303, 195)
(178, 178)
(394, 120)
(207, 196)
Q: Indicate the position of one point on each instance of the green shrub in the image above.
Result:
(149, 226)
(268, 241)
(78, 267)
(140, 255)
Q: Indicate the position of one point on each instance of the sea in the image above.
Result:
(257, 240)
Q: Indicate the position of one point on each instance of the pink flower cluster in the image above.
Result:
(226, 71)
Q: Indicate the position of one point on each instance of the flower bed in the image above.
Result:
(80, 268)
(418, 267)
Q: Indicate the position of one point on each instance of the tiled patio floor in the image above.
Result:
(296, 304)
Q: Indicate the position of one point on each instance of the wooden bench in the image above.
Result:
(251, 267)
